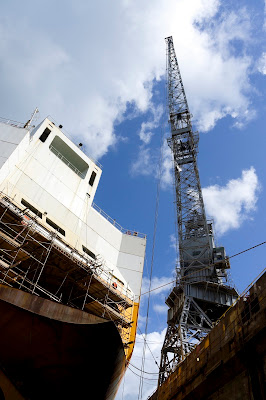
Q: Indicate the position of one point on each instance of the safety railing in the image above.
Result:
(118, 226)
(12, 123)
(66, 161)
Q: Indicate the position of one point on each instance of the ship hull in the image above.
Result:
(52, 351)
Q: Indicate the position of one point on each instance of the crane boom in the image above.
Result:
(193, 230)
(200, 295)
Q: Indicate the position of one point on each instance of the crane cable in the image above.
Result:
(202, 269)
(145, 340)
(159, 179)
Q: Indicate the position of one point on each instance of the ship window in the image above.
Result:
(69, 157)
(45, 134)
(87, 251)
(92, 178)
(31, 208)
(56, 227)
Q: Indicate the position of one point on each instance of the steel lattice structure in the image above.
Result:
(201, 294)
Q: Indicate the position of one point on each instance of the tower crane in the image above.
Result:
(201, 293)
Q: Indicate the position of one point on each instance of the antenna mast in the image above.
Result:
(33, 115)
(200, 295)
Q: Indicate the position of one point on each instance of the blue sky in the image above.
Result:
(98, 68)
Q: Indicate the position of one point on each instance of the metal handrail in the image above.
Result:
(66, 161)
(13, 123)
(118, 226)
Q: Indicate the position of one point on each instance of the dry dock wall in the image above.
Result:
(230, 363)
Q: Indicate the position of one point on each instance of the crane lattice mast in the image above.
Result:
(201, 293)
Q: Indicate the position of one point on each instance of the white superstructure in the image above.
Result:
(41, 170)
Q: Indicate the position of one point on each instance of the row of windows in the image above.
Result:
(39, 214)
(87, 251)
(68, 156)
(31, 208)
(53, 225)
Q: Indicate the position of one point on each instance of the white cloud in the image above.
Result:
(146, 131)
(215, 82)
(84, 64)
(144, 164)
(262, 64)
(141, 320)
(246, 117)
(160, 308)
(167, 166)
(230, 27)
(233, 203)
(173, 241)
(156, 162)
(130, 388)
(161, 284)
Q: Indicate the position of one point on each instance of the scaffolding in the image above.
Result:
(36, 260)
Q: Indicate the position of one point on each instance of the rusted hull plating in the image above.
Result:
(51, 351)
